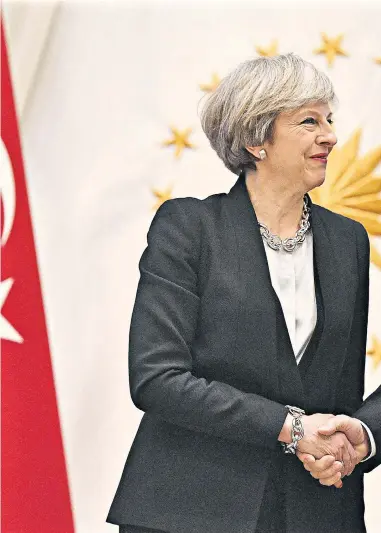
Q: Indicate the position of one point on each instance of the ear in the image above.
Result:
(261, 155)
(253, 150)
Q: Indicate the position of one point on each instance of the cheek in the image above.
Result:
(291, 152)
(288, 154)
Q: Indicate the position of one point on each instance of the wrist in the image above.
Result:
(297, 430)
(365, 447)
(285, 434)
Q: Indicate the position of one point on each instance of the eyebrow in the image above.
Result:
(314, 112)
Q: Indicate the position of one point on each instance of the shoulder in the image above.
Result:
(177, 206)
(341, 222)
(190, 204)
(176, 213)
(358, 235)
(189, 209)
(180, 227)
(177, 223)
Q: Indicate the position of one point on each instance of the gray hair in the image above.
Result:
(242, 110)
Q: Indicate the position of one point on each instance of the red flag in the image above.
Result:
(34, 485)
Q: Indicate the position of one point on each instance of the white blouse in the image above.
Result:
(292, 276)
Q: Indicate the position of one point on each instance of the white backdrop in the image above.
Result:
(97, 86)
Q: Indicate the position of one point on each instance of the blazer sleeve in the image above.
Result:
(163, 326)
(370, 410)
(370, 414)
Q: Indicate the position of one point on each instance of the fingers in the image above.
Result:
(353, 458)
(333, 480)
(349, 458)
(319, 466)
(347, 461)
(330, 473)
(343, 451)
(326, 470)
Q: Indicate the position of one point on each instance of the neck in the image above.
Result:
(277, 206)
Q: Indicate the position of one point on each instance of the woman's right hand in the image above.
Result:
(336, 445)
(328, 471)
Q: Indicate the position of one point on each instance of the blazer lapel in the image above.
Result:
(273, 364)
(336, 263)
(335, 267)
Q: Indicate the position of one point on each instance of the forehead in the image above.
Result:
(314, 108)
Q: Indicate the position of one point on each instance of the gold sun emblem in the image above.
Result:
(351, 189)
(375, 351)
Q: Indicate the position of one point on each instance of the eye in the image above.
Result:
(313, 120)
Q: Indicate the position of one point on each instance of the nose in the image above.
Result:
(327, 137)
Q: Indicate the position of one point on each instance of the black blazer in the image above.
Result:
(211, 365)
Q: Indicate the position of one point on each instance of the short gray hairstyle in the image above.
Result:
(242, 110)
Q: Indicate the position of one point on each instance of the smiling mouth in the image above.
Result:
(321, 159)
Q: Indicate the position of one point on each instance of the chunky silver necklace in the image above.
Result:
(289, 244)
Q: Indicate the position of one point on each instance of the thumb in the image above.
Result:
(330, 427)
(350, 426)
(306, 458)
(336, 423)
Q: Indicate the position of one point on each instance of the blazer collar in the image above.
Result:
(240, 194)
(335, 266)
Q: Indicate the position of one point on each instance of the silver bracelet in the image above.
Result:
(297, 431)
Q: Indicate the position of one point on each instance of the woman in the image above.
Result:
(249, 327)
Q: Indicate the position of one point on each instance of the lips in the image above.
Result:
(320, 157)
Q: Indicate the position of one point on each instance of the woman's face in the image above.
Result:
(299, 136)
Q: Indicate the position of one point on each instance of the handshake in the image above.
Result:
(331, 446)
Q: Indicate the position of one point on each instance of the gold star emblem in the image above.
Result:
(179, 140)
(352, 188)
(377, 60)
(375, 351)
(270, 51)
(331, 48)
(212, 86)
(162, 196)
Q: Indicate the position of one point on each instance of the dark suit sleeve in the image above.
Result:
(163, 326)
(370, 410)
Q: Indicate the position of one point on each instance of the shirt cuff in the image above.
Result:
(372, 443)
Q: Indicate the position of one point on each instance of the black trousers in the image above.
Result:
(272, 516)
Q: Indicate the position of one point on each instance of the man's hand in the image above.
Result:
(321, 438)
(326, 469)
(352, 428)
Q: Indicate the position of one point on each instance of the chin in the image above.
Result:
(315, 181)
